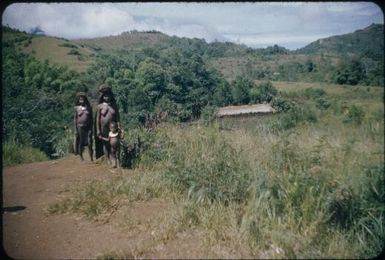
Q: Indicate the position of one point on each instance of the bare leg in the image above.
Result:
(90, 151)
(76, 144)
(118, 157)
(81, 149)
(106, 150)
(114, 157)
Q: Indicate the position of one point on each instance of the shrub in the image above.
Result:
(281, 104)
(296, 114)
(322, 103)
(73, 52)
(68, 45)
(263, 92)
(208, 114)
(354, 114)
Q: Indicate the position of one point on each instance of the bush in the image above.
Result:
(73, 52)
(263, 92)
(296, 114)
(68, 45)
(208, 114)
(354, 115)
(17, 154)
(322, 103)
(281, 104)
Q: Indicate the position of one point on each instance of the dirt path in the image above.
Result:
(138, 229)
(29, 232)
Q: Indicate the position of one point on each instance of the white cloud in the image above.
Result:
(274, 23)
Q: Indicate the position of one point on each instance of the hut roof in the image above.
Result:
(245, 110)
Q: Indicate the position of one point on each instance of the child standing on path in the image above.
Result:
(114, 137)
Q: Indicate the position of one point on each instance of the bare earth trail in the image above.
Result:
(30, 233)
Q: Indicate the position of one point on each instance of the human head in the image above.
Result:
(113, 127)
(106, 94)
(81, 99)
(107, 97)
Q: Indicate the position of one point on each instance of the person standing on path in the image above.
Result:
(83, 125)
(106, 112)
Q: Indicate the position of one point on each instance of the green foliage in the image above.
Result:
(68, 45)
(241, 90)
(354, 115)
(351, 72)
(281, 104)
(208, 175)
(296, 114)
(63, 144)
(222, 94)
(314, 93)
(17, 154)
(73, 52)
(151, 78)
(263, 92)
(37, 100)
(209, 114)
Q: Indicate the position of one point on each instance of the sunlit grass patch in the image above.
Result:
(17, 154)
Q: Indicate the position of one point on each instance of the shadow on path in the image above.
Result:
(13, 209)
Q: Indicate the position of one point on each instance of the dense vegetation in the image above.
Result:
(38, 96)
(152, 73)
(307, 182)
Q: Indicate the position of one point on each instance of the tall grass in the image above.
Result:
(14, 154)
(266, 190)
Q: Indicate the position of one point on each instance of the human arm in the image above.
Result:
(75, 121)
(107, 139)
(121, 134)
(98, 121)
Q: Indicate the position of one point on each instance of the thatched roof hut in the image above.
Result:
(245, 110)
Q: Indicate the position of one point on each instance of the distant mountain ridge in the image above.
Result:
(368, 41)
(323, 60)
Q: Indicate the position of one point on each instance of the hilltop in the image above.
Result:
(318, 61)
(368, 41)
(53, 49)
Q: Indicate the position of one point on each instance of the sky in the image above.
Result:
(256, 24)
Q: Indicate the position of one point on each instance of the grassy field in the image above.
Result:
(16, 154)
(57, 52)
(302, 184)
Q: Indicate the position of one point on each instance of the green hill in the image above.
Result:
(319, 61)
(56, 50)
(368, 41)
(354, 58)
(126, 40)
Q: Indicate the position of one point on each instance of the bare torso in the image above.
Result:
(83, 117)
(114, 142)
(106, 115)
